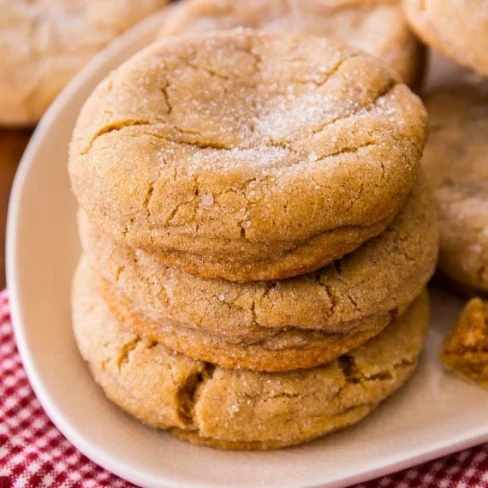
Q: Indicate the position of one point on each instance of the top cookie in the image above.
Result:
(246, 155)
(44, 43)
(455, 162)
(458, 28)
(376, 26)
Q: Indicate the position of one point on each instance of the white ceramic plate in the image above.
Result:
(434, 415)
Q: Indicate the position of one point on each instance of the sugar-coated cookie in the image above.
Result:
(300, 322)
(247, 155)
(277, 350)
(239, 409)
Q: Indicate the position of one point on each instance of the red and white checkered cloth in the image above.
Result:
(33, 453)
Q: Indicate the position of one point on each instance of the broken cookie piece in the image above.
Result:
(465, 350)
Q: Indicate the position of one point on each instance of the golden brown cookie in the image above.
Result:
(465, 349)
(45, 43)
(277, 350)
(239, 409)
(376, 26)
(384, 275)
(455, 164)
(246, 155)
(457, 28)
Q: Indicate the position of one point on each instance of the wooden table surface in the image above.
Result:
(12, 144)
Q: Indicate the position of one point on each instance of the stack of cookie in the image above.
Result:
(257, 238)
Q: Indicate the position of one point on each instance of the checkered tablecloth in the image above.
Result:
(33, 453)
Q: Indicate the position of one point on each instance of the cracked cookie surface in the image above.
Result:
(267, 350)
(375, 26)
(455, 162)
(457, 28)
(245, 155)
(240, 409)
(45, 43)
(384, 275)
(465, 349)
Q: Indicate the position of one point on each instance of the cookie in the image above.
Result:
(44, 44)
(457, 28)
(377, 27)
(455, 164)
(381, 277)
(278, 350)
(465, 349)
(239, 409)
(246, 155)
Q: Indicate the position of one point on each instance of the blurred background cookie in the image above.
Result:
(375, 26)
(44, 43)
(457, 28)
(455, 162)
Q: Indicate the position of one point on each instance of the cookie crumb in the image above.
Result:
(465, 350)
